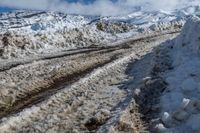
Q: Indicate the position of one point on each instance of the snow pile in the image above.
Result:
(180, 104)
(31, 33)
(27, 33)
(15, 44)
(35, 21)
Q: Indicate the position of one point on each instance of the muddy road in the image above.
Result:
(87, 90)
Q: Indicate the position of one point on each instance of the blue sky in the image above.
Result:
(7, 8)
(95, 7)
(83, 7)
(84, 1)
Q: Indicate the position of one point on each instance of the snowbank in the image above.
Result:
(180, 103)
(34, 33)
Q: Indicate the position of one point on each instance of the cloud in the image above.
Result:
(98, 7)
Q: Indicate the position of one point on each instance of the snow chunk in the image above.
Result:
(160, 128)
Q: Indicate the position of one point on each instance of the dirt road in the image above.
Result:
(90, 90)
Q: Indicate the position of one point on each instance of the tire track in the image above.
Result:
(68, 92)
(12, 64)
(41, 92)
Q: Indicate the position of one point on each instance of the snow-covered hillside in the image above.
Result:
(180, 103)
(28, 33)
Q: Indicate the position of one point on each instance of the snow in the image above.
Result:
(34, 34)
(180, 102)
(50, 32)
(188, 85)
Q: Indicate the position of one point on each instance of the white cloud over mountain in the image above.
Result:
(99, 7)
